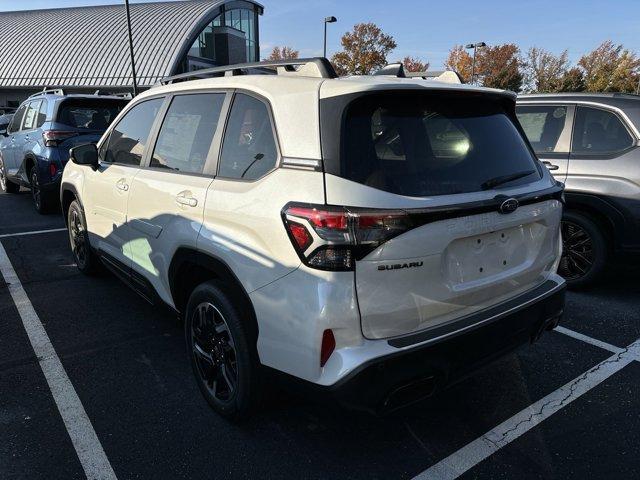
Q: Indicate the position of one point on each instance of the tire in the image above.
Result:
(222, 350)
(41, 200)
(584, 250)
(5, 185)
(86, 260)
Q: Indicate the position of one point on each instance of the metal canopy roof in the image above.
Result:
(88, 46)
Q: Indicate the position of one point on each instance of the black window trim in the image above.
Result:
(603, 155)
(124, 113)
(277, 163)
(210, 166)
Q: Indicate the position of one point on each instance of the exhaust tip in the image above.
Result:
(410, 393)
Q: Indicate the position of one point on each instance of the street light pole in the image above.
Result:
(475, 47)
(327, 20)
(133, 61)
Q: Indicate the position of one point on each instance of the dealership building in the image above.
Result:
(85, 49)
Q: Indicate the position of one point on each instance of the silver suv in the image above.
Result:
(590, 142)
(369, 237)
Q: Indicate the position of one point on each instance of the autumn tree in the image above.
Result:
(283, 53)
(544, 72)
(460, 61)
(412, 64)
(610, 68)
(500, 66)
(364, 50)
(572, 81)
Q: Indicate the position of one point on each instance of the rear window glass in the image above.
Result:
(89, 115)
(424, 145)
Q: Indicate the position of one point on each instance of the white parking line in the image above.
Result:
(592, 341)
(34, 232)
(475, 452)
(85, 441)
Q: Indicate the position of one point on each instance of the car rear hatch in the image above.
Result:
(81, 120)
(449, 212)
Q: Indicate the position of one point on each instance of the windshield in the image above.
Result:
(424, 144)
(90, 114)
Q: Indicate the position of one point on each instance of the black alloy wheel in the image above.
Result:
(584, 250)
(77, 238)
(86, 260)
(36, 193)
(214, 352)
(221, 338)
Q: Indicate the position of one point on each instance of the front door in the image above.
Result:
(166, 203)
(107, 190)
(548, 128)
(9, 142)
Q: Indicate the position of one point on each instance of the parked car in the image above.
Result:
(5, 120)
(370, 238)
(590, 142)
(35, 145)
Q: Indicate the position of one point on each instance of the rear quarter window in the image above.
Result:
(418, 144)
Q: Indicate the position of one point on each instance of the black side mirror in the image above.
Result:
(85, 155)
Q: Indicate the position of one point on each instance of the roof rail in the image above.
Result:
(318, 67)
(46, 91)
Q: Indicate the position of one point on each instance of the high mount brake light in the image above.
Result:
(342, 234)
(53, 137)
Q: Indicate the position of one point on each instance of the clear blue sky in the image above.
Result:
(428, 29)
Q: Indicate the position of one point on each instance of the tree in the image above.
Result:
(572, 81)
(460, 61)
(544, 71)
(500, 67)
(364, 50)
(283, 53)
(610, 68)
(414, 65)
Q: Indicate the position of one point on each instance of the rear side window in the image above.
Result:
(187, 132)
(249, 149)
(31, 115)
(129, 138)
(599, 131)
(543, 126)
(87, 114)
(423, 145)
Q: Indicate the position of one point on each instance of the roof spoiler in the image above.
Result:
(397, 70)
(318, 67)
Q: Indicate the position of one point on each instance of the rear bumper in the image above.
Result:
(415, 372)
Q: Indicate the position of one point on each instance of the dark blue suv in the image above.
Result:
(35, 147)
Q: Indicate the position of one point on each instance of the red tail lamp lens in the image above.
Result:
(300, 235)
(328, 346)
(53, 169)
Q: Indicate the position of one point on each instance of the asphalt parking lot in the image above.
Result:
(566, 407)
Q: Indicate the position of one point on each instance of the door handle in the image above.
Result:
(185, 198)
(550, 165)
(122, 185)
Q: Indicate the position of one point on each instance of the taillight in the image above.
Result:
(333, 238)
(53, 169)
(327, 347)
(53, 137)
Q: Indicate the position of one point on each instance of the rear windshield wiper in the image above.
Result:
(494, 182)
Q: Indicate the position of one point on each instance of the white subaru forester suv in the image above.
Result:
(370, 237)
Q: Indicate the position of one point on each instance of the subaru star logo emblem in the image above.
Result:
(509, 205)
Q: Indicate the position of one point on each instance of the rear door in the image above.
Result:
(441, 165)
(167, 197)
(548, 128)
